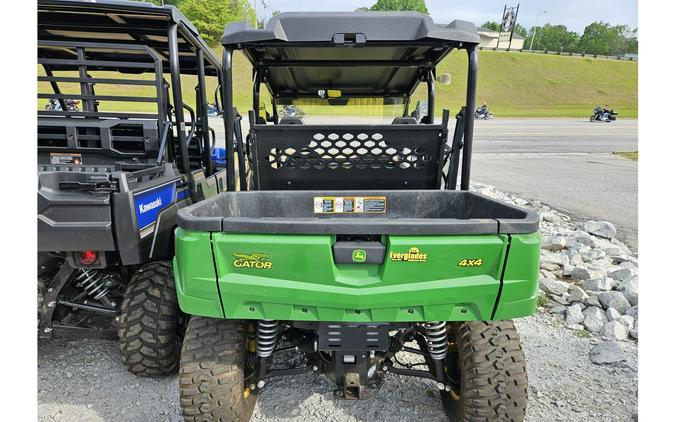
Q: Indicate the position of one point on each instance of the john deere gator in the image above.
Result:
(355, 243)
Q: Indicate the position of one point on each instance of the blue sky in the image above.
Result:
(575, 14)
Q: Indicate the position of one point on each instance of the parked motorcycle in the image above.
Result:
(55, 105)
(213, 111)
(292, 111)
(603, 115)
(483, 112)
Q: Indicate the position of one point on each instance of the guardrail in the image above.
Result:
(564, 53)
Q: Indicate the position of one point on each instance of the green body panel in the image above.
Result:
(294, 277)
(196, 281)
(519, 293)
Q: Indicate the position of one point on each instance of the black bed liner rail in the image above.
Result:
(401, 212)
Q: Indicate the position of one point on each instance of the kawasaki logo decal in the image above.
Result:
(143, 208)
(150, 203)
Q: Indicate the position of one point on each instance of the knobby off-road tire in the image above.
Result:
(492, 375)
(149, 327)
(212, 372)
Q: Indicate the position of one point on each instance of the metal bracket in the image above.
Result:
(351, 375)
(60, 279)
(103, 186)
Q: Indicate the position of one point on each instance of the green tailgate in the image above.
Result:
(294, 277)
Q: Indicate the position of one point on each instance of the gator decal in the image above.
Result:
(252, 260)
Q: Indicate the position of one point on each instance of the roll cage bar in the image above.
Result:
(121, 37)
(405, 57)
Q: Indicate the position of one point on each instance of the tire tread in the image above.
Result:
(493, 373)
(148, 324)
(211, 374)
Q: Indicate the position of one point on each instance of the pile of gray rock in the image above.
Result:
(589, 277)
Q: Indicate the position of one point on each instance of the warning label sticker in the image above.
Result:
(65, 158)
(350, 204)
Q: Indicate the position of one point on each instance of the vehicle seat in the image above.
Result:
(406, 120)
(291, 121)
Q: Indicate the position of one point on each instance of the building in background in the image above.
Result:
(489, 38)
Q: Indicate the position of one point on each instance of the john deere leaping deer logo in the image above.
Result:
(252, 260)
(359, 255)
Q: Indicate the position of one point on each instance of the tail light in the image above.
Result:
(87, 257)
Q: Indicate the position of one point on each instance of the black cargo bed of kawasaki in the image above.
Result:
(418, 212)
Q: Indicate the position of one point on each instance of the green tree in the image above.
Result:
(603, 38)
(400, 5)
(521, 30)
(625, 40)
(494, 26)
(632, 42)
(211, 16)
(597, 38)
(491, 25)
(553, 38)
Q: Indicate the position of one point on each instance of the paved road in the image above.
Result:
(566, 163)
(549, 136)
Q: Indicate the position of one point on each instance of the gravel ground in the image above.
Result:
(83, 380)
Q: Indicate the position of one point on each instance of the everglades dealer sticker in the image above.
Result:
(350, 204)
(412, 255)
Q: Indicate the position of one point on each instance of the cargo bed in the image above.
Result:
(356, 256)
(383, 212)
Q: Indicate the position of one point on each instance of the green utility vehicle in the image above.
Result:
(351, 243)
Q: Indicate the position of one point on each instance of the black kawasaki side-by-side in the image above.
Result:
(113, 173)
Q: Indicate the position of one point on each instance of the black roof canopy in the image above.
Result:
(359, 53)
(120, 22)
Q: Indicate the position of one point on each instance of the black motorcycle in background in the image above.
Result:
(55, 105)
(601, 114)
(483, 112)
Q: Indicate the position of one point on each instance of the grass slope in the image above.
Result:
(631, 155)
(537, 85)
(513, 84)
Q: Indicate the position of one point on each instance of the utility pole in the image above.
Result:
(534, 30)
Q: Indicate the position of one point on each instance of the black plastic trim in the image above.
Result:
(410, 212)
